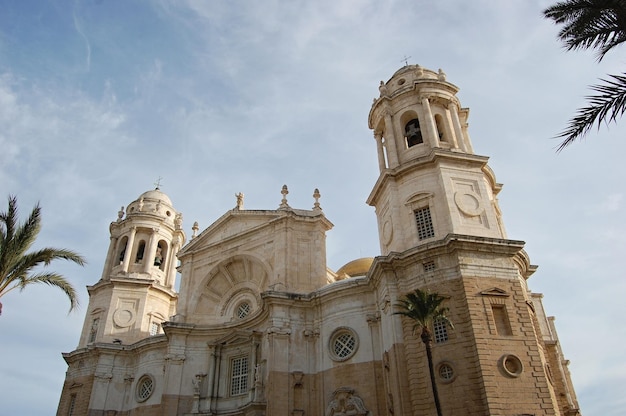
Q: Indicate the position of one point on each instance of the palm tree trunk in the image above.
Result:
(426, 339)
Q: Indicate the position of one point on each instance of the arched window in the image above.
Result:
(413, 133)
(140, 249)
(121, 249)
(440, 131)
(161, 255)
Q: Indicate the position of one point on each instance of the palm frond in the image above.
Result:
(606, 106)
(52, 279)
(590, 24)
(16, 265)
(423, 308)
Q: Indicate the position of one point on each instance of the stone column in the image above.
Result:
(214, 387)
(390, 141)
(454, 141)
(431, 129)
(378, 136)
(213, 356)
(129, 249)
(456, 124)
(150, 251)
(108, 263)
(171, 260)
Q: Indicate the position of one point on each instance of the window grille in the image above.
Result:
(145, 386)
(440, 331)
(429, 266)
(424, 222)
(343, 345)
(243, 310)
(154, 328)
(239, 376)
(446, 372)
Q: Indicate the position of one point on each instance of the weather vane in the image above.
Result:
(158, 183)
(406, 60)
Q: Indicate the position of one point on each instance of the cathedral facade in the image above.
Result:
(261, 325)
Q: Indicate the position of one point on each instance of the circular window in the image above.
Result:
(145, 387)
(446, 372)
(243, 310)
(512, 365)
(343, 344)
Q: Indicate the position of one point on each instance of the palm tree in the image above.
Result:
(593, 24)
(424, 309)
(16, 265)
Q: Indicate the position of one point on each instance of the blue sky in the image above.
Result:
(100, 98)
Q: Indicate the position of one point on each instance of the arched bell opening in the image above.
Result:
(121, 249)
(141, 248)
(160, 256)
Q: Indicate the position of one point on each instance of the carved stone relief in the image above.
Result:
(346, 403)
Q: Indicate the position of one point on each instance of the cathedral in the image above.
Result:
(262, 327)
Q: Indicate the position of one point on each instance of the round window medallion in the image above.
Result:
(387, 232)
(124, 317)
(469, 203)
(401, 81)
(343, 344)
(512, 365)
(145, 387)
(446, 373)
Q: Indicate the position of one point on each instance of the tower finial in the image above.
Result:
(157, 184)
(283, 203)
(406, 60)
(316, 196)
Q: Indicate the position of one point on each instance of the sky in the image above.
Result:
(101, 98)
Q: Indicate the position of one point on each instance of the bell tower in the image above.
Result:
(440, 231)
(136, 291)
(429, 174)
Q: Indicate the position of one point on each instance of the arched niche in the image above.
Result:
(238, 278)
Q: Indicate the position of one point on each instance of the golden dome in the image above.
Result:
(358, 267)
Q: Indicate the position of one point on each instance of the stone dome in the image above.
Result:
(152, 202)
(156, 194)
(358, 267)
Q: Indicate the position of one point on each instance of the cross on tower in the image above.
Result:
(406, 60)
(157, 184)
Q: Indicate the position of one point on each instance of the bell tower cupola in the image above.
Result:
(136, 291)
(431, 183)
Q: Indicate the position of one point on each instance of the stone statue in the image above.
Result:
(383, 89)
(239, 197)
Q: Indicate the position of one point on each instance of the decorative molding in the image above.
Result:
(175, 358)
(373, 318)
(311, 334)
(495, 291)
(297, 378)
(345, 402)
(274, 330)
